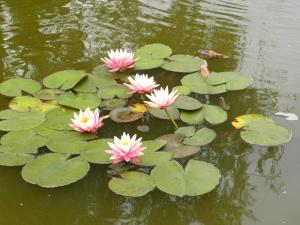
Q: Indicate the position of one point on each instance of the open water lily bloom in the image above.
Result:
(87, 121)
(119, 60)
(141, 84)
(126, 149)
(161, 99)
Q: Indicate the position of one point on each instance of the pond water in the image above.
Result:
(259, 185)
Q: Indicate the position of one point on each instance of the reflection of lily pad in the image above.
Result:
(59, 119)
(48, 94)
(124, 115)
(14, 159)
(117, 90)
(183, 63)
(64, 80)
(17, 121)
(94, 151)
(202, 137)
(161, 114)
(197, 178)
(132, 184)
(79, 101)
(15, 87)
(187, 103)
(54, 170)
(92, 83)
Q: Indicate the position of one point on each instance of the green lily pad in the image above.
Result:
(154, 158)
(64, 80)
(94, 151)
(24, 103)
(92, 83)
(70, 136)
(203, 136)
(48, 94)
(27, 141)
(124, 115)
(161, 114)
(153, 145)
(117, 90)
(131, 184)
(59, 119)
(15, 87)
(54, 170)
(221, 78)
(183, 63)
(239, 83)
(182, 90)
(187, 103)
(14, 159)
(17, 121)
(79, 101)
(102, 72)
(186, 131)
(198, 84)
(192, 117)
(111, 104)
(214, 114)
(151, 56)
(65, 146)
(197, 178)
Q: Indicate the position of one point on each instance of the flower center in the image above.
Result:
(84, 120)
(125, 142)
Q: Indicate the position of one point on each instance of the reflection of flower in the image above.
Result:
(87, 121)
(126, 148)
(119, 60)
(141, 84)
(161, 98)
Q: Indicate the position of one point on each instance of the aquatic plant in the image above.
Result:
(119, 60)
(141, 84)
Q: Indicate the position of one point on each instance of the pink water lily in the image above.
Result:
(161, 99)
(141, 84)
(126, 149)
(119, 60)
(87, 121)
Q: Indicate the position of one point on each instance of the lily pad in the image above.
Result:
(102, 72)
(79, 101)
(203, 136)
(94, 151)
(92, 83)
(182, 90)
(55, 170)
(59, 119)
(17, 121)
(15, 87)
(154, 158)
(124, 115)
(161, 114)
(244, 120)
(192, 117)
(187, 103)
(131, 184)
(197, 178)
(186, 131)
(24, 103)
(214, 114)
(111, 104)
(64, 80)
(14, 159)
(65, 146)
(153, 145)
(183, 63)
(48, 94)
(117, 90)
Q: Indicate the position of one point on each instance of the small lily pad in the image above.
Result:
(124, 115)
(183, 63)
(214, 114)
(94, 151)
(186, 131)
(182, 90)
(48, 94)
(64, 80)
(54, 170)
(131, 184)
(14, 159)
(202, 137)
(187, 103)
(15, 87)
(154, 158)
(79, 101)
(161, 114)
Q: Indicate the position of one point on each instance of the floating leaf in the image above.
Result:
(192, 117)
(154, 145)
(131, 184)
(59, 119)
(24, 103)
(17, 121)
(102, 72)
(183, 63)
(94, 151)
(198, 178)
(117, 90)
(15, 87)
(138, 108)
(182, 90)
(154, 158)
(65, 146)
(244, 120)
(79, 101)
(186, 131)
(54, 170)
(64, 80)
(14, 159)
(124, 115)
(214, 114)
(202, 137)
(161, 114)
(187, 103)
(111, 104)
(70, 136)
(92, 83)
(48, 94)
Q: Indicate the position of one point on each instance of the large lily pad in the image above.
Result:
(161, 114)
(202, 137)
(132, 184)
(17, 121)
(187, 103)
(24, 103)
(15, 87)
(124, 115)
(197, 178)
(64, 80)
(192, 117)
(65, 146)
(151, 56)
(113, 91)
(59, 119)
(94, 151)
(92, 83)
(183, 63)
(54, 170)
(79, 101)
(14, 159)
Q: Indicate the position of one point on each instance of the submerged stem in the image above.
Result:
(171, 118)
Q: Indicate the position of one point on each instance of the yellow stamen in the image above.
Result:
(84, 120)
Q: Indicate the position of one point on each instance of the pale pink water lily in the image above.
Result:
(141, 84)
(204, 71)
(119, 60)
(161, 99)
(87, 121)
(126, 149)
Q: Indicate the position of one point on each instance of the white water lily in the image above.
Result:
(141, 84)
(161, 99)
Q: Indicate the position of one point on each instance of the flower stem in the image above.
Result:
(171, 118)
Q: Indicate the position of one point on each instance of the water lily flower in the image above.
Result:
(119, 60)
(204, 70)
(161, 99)
(126, 149)
(87, 121)
(141, 84)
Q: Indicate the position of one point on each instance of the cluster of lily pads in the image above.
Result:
(39, 136)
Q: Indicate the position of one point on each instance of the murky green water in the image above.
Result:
(258, 186)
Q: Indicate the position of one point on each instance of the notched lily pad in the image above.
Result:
(186, 131)
(15, 87)
(114, 91)
(94, 151)
(14, 159)
(203, 136)
(24, 103)
(59, 119)
(92, 83)
(183, 63)
(124, 115)
(48, 94)
(161, 114)
(79, 101)
(187, 103)
(111, 104)
(102, 72)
